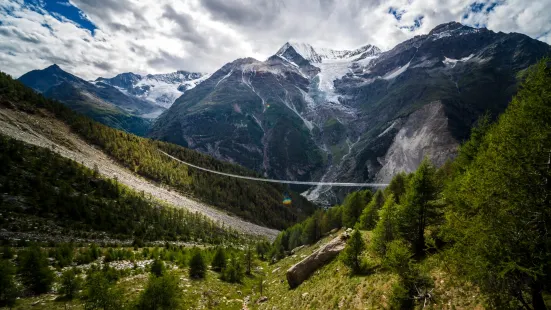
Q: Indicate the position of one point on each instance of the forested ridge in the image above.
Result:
(38, 182)
(257, 202)
(484, 217)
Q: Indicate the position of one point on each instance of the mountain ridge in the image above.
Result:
(336, 117)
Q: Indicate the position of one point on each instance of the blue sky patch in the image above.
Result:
(396, 12)
(63, 8)
(416, 23)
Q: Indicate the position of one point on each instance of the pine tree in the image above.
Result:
(8, 286)
(34, 270)
(157, 267)
(219, 260)
(101, 294)
(370, 214)
(161, 293)
(71, 283)
(353, 206)
(387, 228)
(418, 207)
(197, 266)
(351, 255)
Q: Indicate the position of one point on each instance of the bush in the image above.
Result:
(219, 260)
(8, 287)
(64, 254)
(7, 252)
(71, 283)
(197, 266)
(398, 257)
(233, 272)
(101, 294)
(157, 268)
(160, 293)
(36, 276)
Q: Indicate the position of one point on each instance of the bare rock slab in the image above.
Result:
(303, 269)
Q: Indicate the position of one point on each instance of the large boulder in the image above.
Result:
(303, 269)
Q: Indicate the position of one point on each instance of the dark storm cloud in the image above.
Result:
(105, 66)
(244, 13)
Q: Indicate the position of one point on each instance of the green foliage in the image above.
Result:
(71, 283)
(158, 268)
(61, 189)
(262, 249)
(8, 287)
(161, 293)
(398, 257)
(352, 253)
(219, 260)
(64, 254)
(418, 208)
(7, 252)
(101, 294)
(197, 266)
(370, 214)
(36, 276)
(498, 220)
(397, 186)
(387, 228)
(233, 272)
(353, 206)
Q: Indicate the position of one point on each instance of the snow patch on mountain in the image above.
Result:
(160, 89)
(452, 62)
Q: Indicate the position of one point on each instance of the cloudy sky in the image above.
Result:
(92, 38)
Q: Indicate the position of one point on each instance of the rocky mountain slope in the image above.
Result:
(100, 101)
(319, 114)
(159, 89)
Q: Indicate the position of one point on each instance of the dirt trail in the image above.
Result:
(55, 135)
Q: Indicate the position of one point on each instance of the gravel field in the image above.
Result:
(51, 133)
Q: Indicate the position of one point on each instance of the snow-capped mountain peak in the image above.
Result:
(161, 89)
(320, 55)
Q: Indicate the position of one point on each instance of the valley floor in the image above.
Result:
(53, 134)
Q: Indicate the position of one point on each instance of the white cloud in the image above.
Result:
(157, 36)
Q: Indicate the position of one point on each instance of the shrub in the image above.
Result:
(8, 287)
(157, 268)
(233, 272)
(35, 273)
(160, 293)
(101, 294)
(71, 283)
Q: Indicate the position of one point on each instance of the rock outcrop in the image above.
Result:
(302, 270)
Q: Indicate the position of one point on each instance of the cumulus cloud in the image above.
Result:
(155, 36)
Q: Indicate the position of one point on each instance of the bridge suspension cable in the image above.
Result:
(341, 184)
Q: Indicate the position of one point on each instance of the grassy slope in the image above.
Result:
(331, 287)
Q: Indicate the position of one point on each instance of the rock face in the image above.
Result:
(302, 270)
(318, 114)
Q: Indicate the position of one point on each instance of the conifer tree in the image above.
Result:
(370, 214)
(35, 273)
(418, 209)
(387, 228)
(352, 253)
(8, 286)
(197, 266)
(219, 260)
